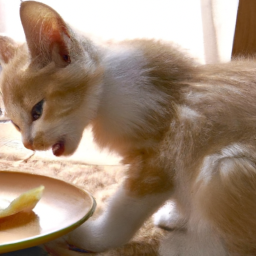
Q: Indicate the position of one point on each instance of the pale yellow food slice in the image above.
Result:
(25, 202)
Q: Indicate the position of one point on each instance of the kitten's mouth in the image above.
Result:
(58, 148)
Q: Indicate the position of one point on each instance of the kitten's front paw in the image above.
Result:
(92, 236)
(87, 238)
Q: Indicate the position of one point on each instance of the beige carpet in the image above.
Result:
(97, 172)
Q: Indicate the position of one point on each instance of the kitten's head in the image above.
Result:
(52, 84)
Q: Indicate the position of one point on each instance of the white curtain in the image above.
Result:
(205, 28)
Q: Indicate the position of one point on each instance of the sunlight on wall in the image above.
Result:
(172, 20)
(225, 32)
(204, 28)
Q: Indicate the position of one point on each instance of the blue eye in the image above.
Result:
(37, 110)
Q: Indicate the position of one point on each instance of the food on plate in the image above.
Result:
(24, 203)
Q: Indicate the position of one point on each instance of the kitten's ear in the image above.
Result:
(7, 49)
(46, 33)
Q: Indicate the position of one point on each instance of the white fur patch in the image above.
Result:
(168, 217)
(211, 162)
(123, 100)
(185, 112)
(127, 99)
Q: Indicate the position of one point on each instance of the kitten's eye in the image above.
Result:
(66, 58)
(16, 126)
(37, 110)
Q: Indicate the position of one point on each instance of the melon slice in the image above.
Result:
(24, 203)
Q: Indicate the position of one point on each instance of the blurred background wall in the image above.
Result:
(205, 28)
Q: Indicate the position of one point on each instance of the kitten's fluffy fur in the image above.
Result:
(186, 131)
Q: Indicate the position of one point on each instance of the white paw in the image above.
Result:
(88, 237)
(100, 235)
(168, 217)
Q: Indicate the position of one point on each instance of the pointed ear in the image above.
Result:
(7, 49)
(46, 33)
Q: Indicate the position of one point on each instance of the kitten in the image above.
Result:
(187, 131)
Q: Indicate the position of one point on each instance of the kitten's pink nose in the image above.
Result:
(28, 144)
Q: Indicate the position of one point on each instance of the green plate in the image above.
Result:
(62, 208)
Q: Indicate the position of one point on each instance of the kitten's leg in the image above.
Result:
(227, 197)
(117, 225)
(144, 190)
(223, 206)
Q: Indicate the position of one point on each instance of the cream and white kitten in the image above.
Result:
(188, 132)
